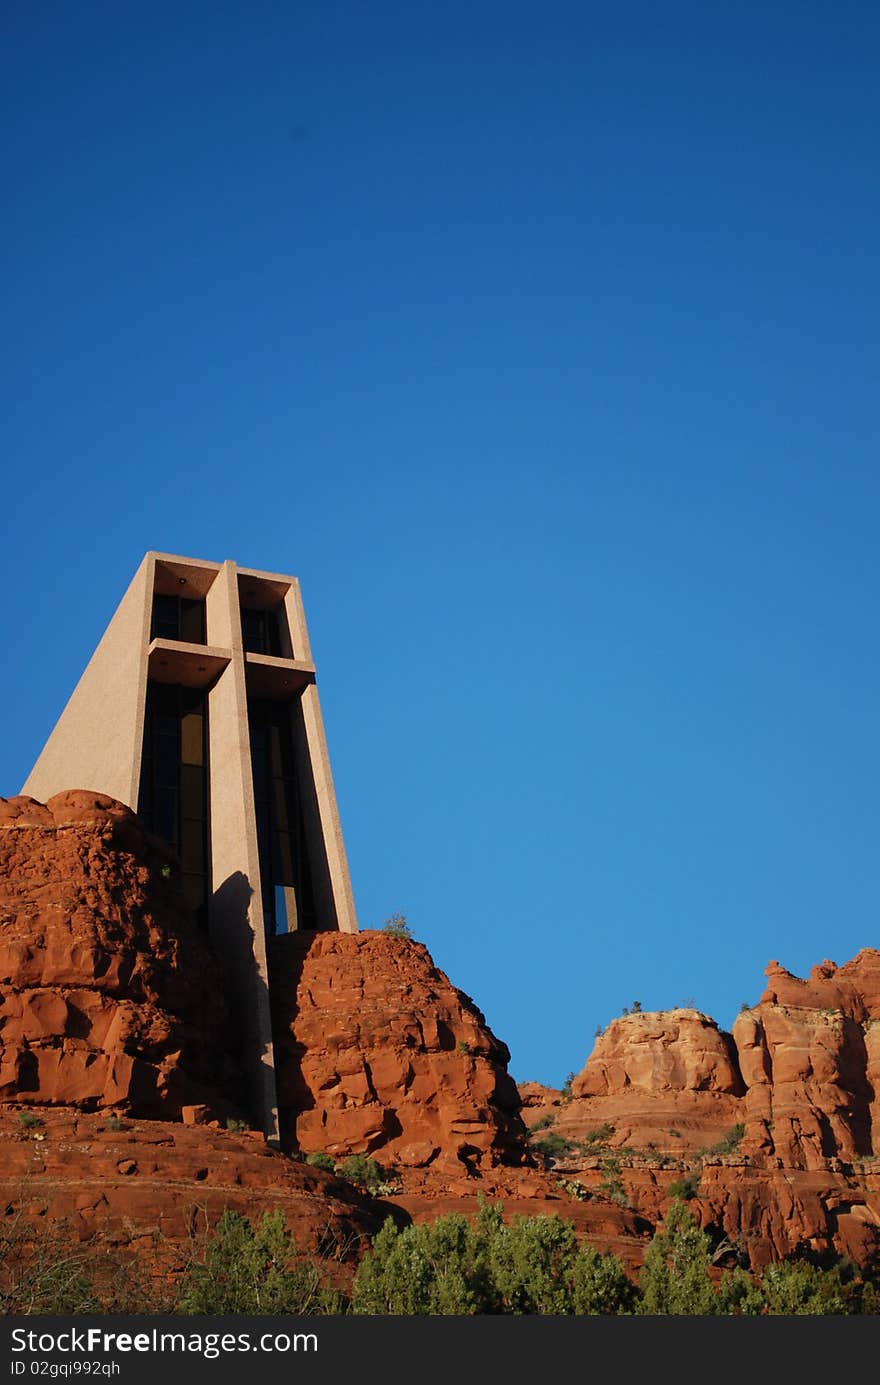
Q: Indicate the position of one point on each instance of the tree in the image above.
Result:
(422, 1270)
(600, 1285)
(252, 1271)
(675, 1274)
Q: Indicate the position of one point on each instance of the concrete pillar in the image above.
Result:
(236, 911)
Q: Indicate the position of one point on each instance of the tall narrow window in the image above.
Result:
(173, 799)
(285, 871)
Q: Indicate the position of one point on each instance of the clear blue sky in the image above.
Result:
(541, 342)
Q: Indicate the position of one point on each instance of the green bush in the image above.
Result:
(529, 1260)
(322, 1161)
(686, 1187)
(599, 1136)
(675, 1274)
(422, 1270)
(247, 1270)
(554, 1146)
(28, 1120)
(360, 1169)
(600, 1285)
(792, 1287)
(531, 1265)
(613, 1187)
(396, 926)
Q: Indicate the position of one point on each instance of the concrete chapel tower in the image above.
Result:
(199, 709)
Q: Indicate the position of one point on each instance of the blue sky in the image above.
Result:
(541, 342)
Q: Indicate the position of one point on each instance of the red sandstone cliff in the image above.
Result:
(776, 1125)
(109, 997)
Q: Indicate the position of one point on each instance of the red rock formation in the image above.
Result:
(810, 1057)
(150, 1187)
(108, 993)
(798, 1079)
(109, 997)
(376, 1052)
(654, 1074)
(853, 988)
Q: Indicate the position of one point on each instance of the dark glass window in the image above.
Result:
(178, 618)
(285, 871)
(173, 799)
(261, 631)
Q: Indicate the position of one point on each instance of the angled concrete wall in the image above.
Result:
(97, 740)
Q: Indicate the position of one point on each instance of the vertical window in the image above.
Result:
(285, 871)
(173, 798)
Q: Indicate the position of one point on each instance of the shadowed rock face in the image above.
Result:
(376, 1052)
(109, 995)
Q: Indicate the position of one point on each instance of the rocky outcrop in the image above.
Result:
(810, 1057)
(854, 988)
(109, 995)
(776, 1125)
(377, 1052)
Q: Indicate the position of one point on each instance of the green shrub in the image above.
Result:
(434, 1269)
(360, 1169)
(530, 1260)
(686, 1187)
(614, 1189)
(554, 1146)
(322, 1161)
(600, 1285)
(531, 1265)
(575, 1188)
(29, 1121)
(247, 1270)
(738, 1295)
(236, 1126)
(565, 1091)
(114, 1123)
(396, 926)
(792, 1287)
(600, 1136)
(675, 1274)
